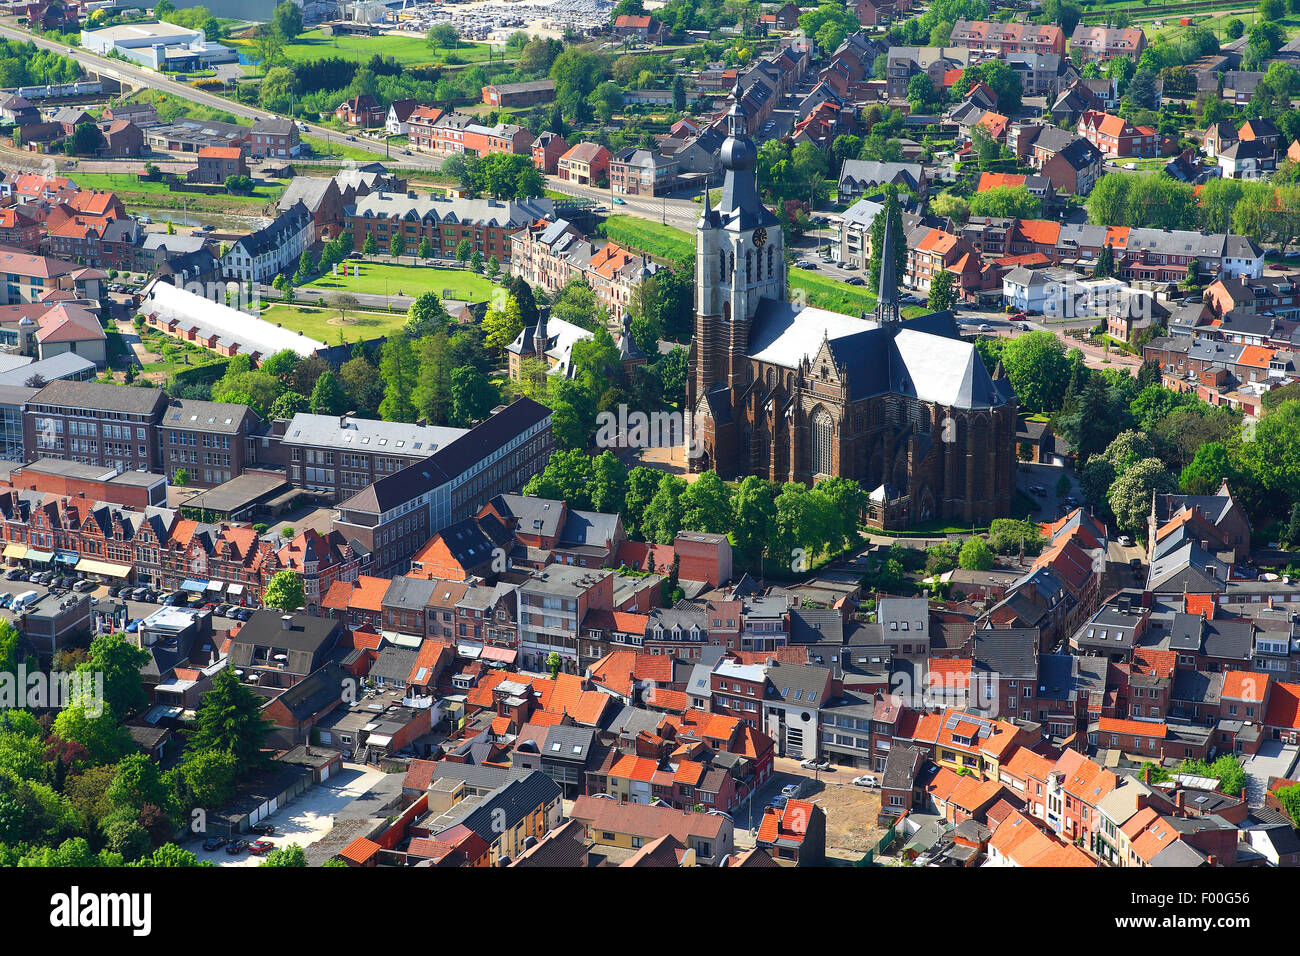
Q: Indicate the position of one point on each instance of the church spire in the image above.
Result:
(540, 338)
(887, 299)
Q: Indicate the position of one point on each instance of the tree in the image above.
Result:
(181, 478)
(1036, 364)
(443, 36)
(399, 369)
(943, 295)
(553, 663)
(1130, 494)
(707, 505)
(755, 519)
(397, 246)
(343, 303)
(370, 246)
(501, 327)
(1104, 267)
(1006, 201)
(284, 591)
(664, 515)
(327, 396)
(464, 250)
(425, 249)
(277, 88)
(426, 316)
(975, 555)
(291, 855)
(608, 486)
(679, 93)
(287, 18)
(472, 396)
(230, 719)
(268, 41)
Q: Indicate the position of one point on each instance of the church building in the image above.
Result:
(905, 407)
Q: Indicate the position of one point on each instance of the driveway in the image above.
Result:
(306, 819)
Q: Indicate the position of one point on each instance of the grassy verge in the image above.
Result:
(382, 278)
(339, 148)
(664, 242)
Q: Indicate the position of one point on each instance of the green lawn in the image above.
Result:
(382, 278)
(407, 50)
(340, 148)
(826, 293)
(323, 325)
(666, 242)
(129, 187)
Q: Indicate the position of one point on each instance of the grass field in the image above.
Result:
(340, 148)
(407, 50)
(660, 240)
(130, 189)
(382, 278)
(323, 324)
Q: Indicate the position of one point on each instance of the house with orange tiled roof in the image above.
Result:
(1017, 841)
(795, 834)
(357, 602)
(930, 251)
(1117, 137)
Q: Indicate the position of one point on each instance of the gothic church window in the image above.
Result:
(823, 436)
(749, 267)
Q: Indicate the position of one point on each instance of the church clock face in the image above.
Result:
(760, 237)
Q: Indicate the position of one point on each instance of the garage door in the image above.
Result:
(256, 815)
(325, 773)
(272, 806)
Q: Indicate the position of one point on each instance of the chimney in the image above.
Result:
(1180, 797)
(286, 622)
(1146, 775)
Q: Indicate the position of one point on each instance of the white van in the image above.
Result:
(24, 599)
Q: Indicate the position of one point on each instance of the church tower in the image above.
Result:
(887, 299)
(739, 261)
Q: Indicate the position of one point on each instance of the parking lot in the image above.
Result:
(305, 820)
(138, 608)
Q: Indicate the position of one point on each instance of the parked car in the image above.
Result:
(866, 780)
(792, 790)
(214, 843)
(260, 847)
(856, 280)
(139, 593)
(262, 829)
(777, 803)
(236, 847)
(6, 599)
(985, 327)
(84, 586)
(814, 764)
(12, 574)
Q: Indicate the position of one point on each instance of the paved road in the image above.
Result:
(680, 213)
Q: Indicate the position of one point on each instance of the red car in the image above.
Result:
(258, 847)
(1018, 317)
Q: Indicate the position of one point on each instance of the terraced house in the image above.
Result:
(486, 223)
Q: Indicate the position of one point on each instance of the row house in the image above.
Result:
(486, 223)
(1001, 39)
(930, 251)
(1116, 136)
(586, 164)
(549, 253)
(421, 126)
(546, 151)
(1096, 44)
(1071, 163)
